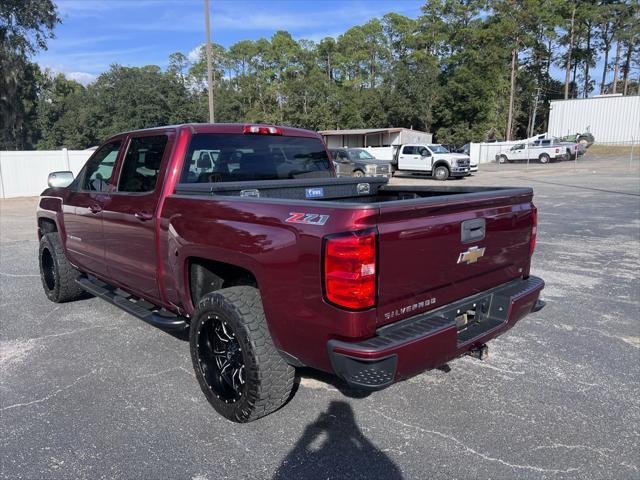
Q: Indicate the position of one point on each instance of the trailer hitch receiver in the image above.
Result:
(480, 352)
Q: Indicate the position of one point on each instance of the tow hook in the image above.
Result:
(480, 352)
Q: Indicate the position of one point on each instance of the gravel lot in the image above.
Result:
(88, 391)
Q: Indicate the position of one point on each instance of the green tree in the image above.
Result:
(62, 113)
(25, 27)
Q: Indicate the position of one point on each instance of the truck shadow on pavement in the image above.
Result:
(334, 447)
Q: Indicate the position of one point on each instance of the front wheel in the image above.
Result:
(236, 363)
(544, 158)
(441, 172)
(358, 173)
(57, 274)
(503, 159)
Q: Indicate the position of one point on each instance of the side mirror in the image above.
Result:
(60, 179)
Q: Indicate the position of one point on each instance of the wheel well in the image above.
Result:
(441, 164)
(206, 276)
(46, 225)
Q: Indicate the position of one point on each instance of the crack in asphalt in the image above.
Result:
(16, 275)
(51, 395)
(475, 452)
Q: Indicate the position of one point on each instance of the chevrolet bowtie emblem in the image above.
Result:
(471, 256)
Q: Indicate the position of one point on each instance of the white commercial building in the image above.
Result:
(610, 118)
(373, 137)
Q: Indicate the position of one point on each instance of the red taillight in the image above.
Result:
(534, 230)
(262, 130)
(350, 270)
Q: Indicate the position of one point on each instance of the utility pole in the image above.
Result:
(535, 108)
(615, 67)
(209, 67)
(569, 52)
(514, 59)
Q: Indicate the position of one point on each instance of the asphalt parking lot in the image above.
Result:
(88, 391)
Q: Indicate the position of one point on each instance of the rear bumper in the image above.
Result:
(429, 340)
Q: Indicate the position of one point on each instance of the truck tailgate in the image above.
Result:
(431, 253)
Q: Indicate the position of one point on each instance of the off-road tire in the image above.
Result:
(441, 173)
(586, 139)
(544, 158)
(57, 274)
(268, 378)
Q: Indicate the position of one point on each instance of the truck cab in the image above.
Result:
(432, 159)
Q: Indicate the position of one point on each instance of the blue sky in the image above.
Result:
(96, 33)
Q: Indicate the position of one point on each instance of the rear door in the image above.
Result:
(129, 223)
(409, 158)
(431, 255)
(83, 210)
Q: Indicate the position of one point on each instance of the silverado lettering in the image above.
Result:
(409, 308)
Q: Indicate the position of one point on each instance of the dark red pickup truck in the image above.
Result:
(243, 234)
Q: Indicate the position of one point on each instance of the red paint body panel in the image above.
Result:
(433, 351)
(418, 246)
(419, 249)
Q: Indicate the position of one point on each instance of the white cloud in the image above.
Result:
(319, 36)
(194, 55)
(84, 78)
(225, 17)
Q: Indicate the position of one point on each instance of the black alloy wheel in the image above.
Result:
(221, 359)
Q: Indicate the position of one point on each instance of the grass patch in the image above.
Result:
(613, 149)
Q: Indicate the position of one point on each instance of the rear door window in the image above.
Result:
(142, 164)
(409, 150)
(239, 157)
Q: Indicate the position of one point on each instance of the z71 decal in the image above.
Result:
(307, 218)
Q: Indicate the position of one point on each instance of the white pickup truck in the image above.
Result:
(431, 159)
(524, 152)
(572, 149)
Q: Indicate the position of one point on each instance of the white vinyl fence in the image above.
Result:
(24, 174)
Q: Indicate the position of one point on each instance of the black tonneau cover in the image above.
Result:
(358, 190)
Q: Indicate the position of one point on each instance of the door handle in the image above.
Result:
(95, 208)
(143, 216)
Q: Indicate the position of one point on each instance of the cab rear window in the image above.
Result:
(238, 157)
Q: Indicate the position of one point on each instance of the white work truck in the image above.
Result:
(523, 152)
(432, 159)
